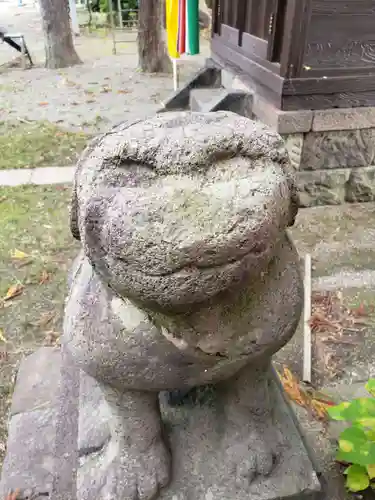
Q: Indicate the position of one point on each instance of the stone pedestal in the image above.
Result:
(194, 429)
(333, 149)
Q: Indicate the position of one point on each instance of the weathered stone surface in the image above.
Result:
(342, 149)
(360, 186)
(166, 205)
(284, 122)
(196, 432)
(322, 187)
(196, 435)
(94, 416)
(30, 449)
(29, 463)
(343, 119)
(36, 391)
(294, 145)
(187, 278)
(183, 359)
(66, 455)
(336, 186)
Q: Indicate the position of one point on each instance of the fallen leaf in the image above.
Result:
(90, 101)
(43, 103)
(45, 319)
(318, 320)
(321, 397)
(52, 338)
(124, 91)
(292, 387)
(14, 291)
(361, 311)
(18, 254)
(44, 278)
(2, 338)
(4, 356)
(314, 402)
(319, 409)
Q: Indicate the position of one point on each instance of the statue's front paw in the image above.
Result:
(255, 456)
(137, 475)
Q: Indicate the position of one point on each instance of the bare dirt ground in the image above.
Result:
(105, 90)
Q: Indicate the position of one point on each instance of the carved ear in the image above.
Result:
(74, 206)
(74, 215)
(74, 228)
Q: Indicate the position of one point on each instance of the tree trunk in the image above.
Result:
(58, 38)
(152, 53)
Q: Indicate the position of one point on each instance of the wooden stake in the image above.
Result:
(306, 321)
(23, 52)
(175, 74)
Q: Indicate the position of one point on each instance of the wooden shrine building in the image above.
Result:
(300, 54)
(309, 66)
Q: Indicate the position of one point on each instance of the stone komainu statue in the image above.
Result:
(186, 277)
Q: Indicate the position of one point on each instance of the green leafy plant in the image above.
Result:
(357, 442)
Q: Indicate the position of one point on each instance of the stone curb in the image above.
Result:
(36, 176)
(345, 279)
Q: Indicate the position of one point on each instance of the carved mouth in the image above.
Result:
(256, 250)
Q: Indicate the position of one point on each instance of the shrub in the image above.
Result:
(357, 442)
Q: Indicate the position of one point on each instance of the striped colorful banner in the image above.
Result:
(172, 28)
(182, 27)
(192, 27)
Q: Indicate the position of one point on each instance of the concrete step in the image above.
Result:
(207, 77)
(220, 99)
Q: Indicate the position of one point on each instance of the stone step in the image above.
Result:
(220, 99)
(207, 77)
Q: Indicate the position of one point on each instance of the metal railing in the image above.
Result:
(124, 21)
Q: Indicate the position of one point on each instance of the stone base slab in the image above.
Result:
(194, 432)
(289, 122)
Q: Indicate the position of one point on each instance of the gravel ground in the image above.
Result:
(105, 90)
